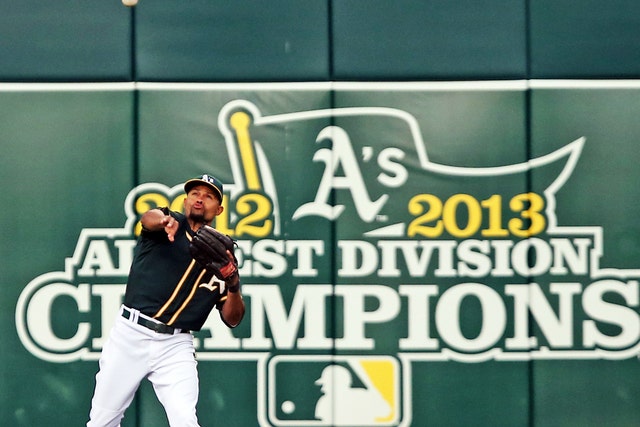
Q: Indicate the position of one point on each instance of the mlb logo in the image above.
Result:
(328, 390)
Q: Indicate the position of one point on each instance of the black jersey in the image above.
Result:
(167, 284)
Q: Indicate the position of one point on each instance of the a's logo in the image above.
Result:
(362, 257)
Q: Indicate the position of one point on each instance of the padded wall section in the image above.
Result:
(590, 39)
(186, 133)
(596, 203)
(428, 40)
(203, 40)
(409, 177)
(318, 40)
(67, 164)
(88, 40)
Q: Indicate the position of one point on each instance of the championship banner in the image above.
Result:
(405, 249)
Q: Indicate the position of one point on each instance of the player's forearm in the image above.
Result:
(154, 220)
(233, 309)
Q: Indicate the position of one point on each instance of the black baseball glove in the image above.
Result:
(209, 248)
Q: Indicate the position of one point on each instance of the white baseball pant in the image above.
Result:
(133, 353)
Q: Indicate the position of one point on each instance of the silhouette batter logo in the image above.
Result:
(334, 391)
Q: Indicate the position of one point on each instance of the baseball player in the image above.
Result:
(182, 268)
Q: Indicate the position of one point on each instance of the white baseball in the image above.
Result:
(129, 3)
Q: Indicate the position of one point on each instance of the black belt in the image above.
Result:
(160, 328)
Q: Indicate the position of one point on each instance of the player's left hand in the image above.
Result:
(215, 251)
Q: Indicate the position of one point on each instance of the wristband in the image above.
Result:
(235, 288)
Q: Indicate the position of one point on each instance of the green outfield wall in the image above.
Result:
(435, 200)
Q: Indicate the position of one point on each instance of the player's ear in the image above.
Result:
(219, 210)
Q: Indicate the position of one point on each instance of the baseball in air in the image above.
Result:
(129, 3)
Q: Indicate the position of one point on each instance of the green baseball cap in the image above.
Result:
(208, 180)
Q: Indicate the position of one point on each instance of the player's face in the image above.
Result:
(201, 205)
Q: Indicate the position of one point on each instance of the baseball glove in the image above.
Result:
(209, 248)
